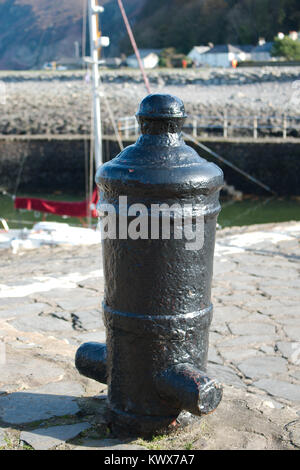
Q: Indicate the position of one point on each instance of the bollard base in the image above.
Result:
(131, 425)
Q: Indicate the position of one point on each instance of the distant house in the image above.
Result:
(112, 62)
(247, 49)
(262, 52)
(294, 35)
(196, 54)
(69, 63)
(149, 57)
(222, 55)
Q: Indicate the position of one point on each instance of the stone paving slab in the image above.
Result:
(225, 375)
(53, 399)
(98, 336)
(24, 310)
(293, 332)
(224, 314)
(287, 349)
(250, 328)
(234, 358)
(12, 302)
(279, 388)
(254, 340)
(47, 438)
(265, 366)
(90, 320)
(42, 324)
(294, 432)
(246, 341)
(27, 371)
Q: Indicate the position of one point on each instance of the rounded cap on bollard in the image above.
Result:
(161, 106)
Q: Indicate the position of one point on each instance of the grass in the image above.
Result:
(188, 446)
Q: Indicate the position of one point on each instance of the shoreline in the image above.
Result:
(59, 102)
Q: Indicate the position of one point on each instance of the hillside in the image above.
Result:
(183, 24)
(36, 31)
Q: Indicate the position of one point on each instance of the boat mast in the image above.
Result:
(93, 10)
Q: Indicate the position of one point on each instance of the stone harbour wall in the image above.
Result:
(59, 164)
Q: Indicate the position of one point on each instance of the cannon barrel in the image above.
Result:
(159, 202)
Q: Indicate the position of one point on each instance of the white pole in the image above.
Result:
(94, 9)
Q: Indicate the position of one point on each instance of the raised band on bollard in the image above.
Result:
(154, 196)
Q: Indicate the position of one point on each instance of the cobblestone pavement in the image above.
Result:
(50, 303)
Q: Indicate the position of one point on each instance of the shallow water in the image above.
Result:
(22, 218)
(259, 211)
(234, 213)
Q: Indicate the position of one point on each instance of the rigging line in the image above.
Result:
(86, 170)
(106, 102)
(113, 122)
(84, 29)
(196, 142)
(18, 180)
(91, 174)
(133, 43)
(251, 209)
(228, 163)
(111, 116)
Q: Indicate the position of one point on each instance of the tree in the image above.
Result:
(286, 48)
(183, 24)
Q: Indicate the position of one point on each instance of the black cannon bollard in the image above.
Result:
(157, 305)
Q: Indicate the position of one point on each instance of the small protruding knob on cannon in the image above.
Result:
(90, 361)
(160, 113)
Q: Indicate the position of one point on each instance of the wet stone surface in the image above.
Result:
(46, 438)
(254, 347)
(51, 400)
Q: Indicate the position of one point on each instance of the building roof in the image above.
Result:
(145, 52)
(200, 49)
(266, 47)
(224, 48)
(245, 47)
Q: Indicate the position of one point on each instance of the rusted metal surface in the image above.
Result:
(157, 305)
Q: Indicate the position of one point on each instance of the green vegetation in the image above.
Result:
(258, 210)
(189, 446)
(169, 58)
(162, 24)
(286, 48)
(156, 442)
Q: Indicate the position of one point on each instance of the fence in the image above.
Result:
(227, 126)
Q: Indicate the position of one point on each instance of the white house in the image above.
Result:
(196, 54)
(262, 52)
(294, 35)
(149, 57)
(222, 56)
